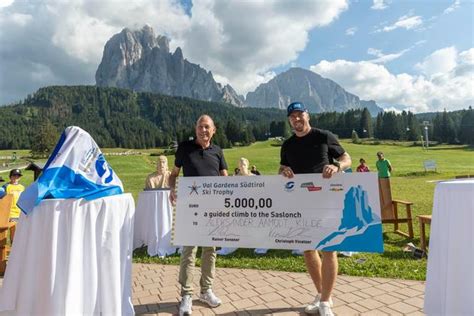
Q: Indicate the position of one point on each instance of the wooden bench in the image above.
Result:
(424, 220)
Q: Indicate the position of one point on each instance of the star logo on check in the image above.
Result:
(194, 189)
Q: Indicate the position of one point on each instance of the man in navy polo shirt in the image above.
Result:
(312, 150)
(198, 158)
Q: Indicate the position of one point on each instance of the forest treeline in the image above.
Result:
(123, 118)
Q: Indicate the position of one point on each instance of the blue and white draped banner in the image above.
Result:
(76, 169)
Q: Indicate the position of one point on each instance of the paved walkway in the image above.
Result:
(253, 292)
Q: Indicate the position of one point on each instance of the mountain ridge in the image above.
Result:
(319, 94)
(140, 61)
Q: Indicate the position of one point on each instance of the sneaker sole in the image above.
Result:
(314, 311)
(209, 304)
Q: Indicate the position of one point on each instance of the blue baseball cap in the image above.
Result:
(295, 106)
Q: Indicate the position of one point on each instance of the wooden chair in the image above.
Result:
(389, 209)
(424, 220)
(5, 226)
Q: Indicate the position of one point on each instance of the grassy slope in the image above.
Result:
(409, 182)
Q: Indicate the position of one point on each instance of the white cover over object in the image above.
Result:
(72, 257)
(450, 276)
(153, 223)
(76, 169)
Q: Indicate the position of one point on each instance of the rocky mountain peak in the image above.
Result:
(317, 93)
(178, 54)
(141, 61)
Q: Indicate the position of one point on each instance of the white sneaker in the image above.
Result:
(186, 305)
(325, 309)
(210, 298)
(313, 308)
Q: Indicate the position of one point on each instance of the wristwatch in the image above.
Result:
(337, 164)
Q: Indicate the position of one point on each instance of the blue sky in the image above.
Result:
(443, 31)
(415, 55)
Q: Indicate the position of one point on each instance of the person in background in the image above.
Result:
(312, 150)
(384, 167)
(159, 178)
(254, 170)
(198, 158)
(14, 188)
(363, 166)
(236, 172)
(244, 167)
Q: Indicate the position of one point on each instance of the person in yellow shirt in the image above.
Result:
(14, 188)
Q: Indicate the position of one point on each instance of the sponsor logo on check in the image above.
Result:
(310, 186)
(336, 187)
(290, 186)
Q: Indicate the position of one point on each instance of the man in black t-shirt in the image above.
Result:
(198, 158)
(312, 150)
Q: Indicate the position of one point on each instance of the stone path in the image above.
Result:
(254, 292)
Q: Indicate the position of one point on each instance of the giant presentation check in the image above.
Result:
(305, 212)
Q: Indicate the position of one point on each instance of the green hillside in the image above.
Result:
(123, 118)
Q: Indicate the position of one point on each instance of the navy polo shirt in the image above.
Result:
(199, 162)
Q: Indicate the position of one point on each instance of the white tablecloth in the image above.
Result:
(71, 257)
(450, 277)
(153, 223)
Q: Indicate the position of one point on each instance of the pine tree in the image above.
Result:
(379, 126)
(366, 124)
(466, 129)
(44, 140)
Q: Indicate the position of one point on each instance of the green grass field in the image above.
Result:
(409, 182)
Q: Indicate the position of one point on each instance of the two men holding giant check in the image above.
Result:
(312, 206)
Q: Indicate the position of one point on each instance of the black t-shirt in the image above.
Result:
(310, 153)
(197, 162)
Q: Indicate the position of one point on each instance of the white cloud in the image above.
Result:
(351, 31)
(379, 5)
(384, 58)
(20, 19)
(41, 73)
(407, 22)
(451, 88)
(453, 7)
(237, 40)
(73, 22)
(439, 62)
(5, 3)
(242, 40)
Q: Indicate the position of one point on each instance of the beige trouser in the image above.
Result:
(186, 265)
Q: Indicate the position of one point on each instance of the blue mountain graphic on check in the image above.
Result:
(360, 229)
